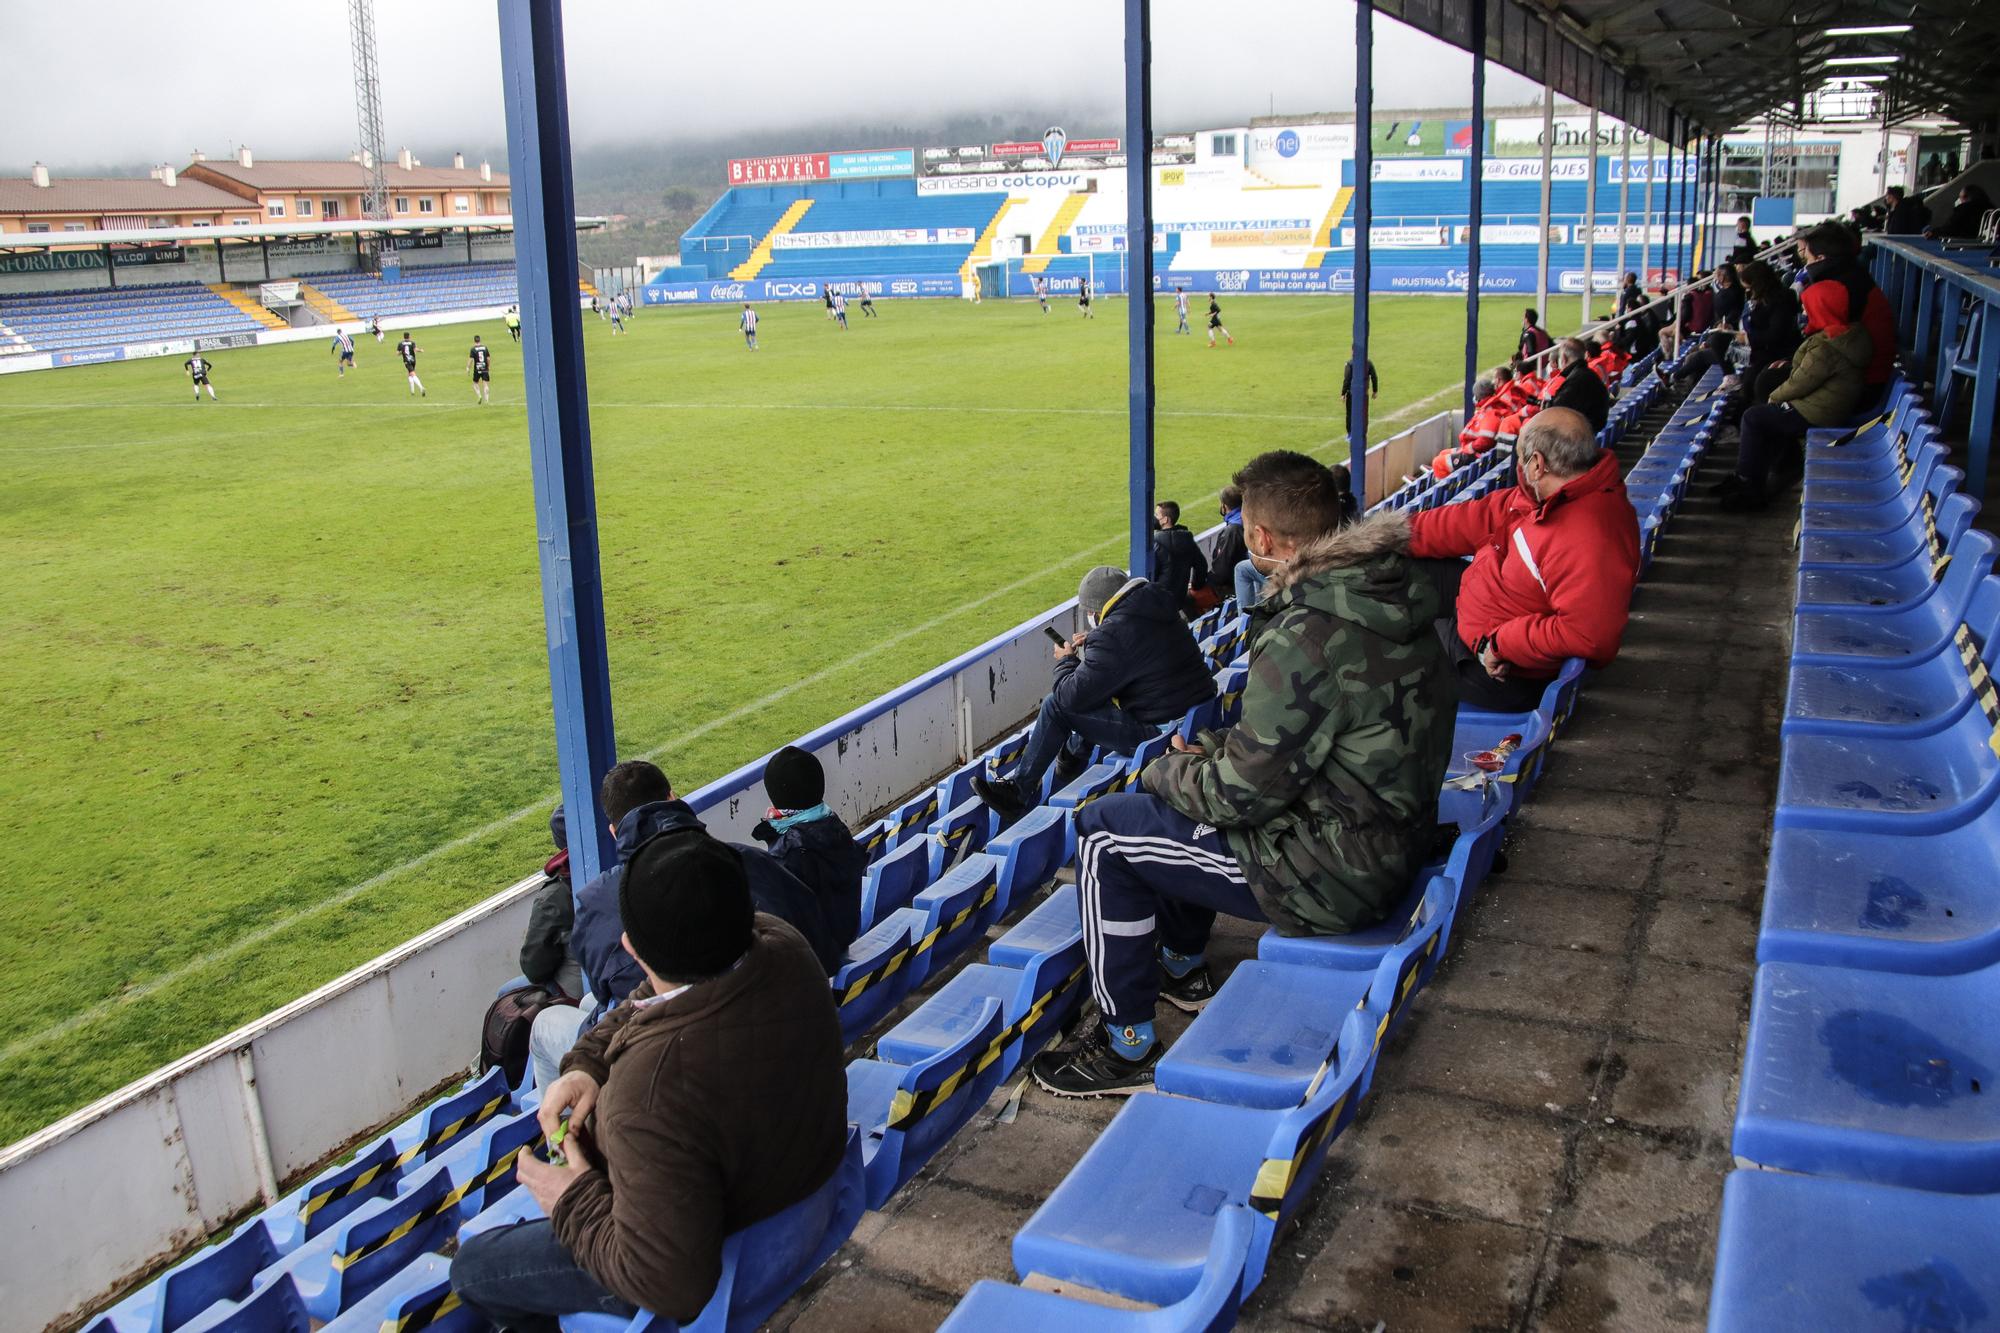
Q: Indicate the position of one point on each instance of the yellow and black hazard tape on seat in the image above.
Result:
(423, 1315)
(436, 1139)
(1851, 436)
(881, 971)
(964, 914)
(920, 816)
(908, 1107)
(441, 1206)
(1981, 679)
(1275, 1176)
(875, 840)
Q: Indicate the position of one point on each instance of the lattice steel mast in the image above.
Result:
(368, 113)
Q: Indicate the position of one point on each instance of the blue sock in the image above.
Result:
(1179, 965)
(1132, 1040)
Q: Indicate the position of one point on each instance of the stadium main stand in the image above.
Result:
(420, 291)
(63, 321)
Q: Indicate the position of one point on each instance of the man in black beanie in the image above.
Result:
(811, 841)
(714, 1099)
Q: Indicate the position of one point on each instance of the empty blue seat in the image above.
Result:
(1798, 1252)
(1263, 1038)
(907, 1112)
(418, 1297)
(960, 831)
(1137, 1215)
(1931, 530)
(1851, 490)
(954, 909)
(916, 815)
(1891, 783)
(1054, 923)
(1874, 1076)
(876, 839)
(1933, 479)
(1902, 637)
(874, 974)
(894, 880)
(1030, 851)
(276, 1308)
(1915, 699)
(1000, 1307)
(1095, 781)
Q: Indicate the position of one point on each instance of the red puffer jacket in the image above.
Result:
(1549, 581)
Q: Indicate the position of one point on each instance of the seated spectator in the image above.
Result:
(1826, 384)
(1534, 338)
(546, 957)
(1314, 811)
(1529, 386)
(1581, 390)
(1962, 223)
(811, 841)
(713, 1100)
(1491, 423)
(1908, 216)
(1229, 551)
(1133, 674)
(1743, 246)
(1178, 564)
(1726, 300)
(1833, 256)
(1610, 362)
(1770, 328)
(1554, 561)
(640, 803)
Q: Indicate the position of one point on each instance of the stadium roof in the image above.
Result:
(139, 195)
(259, 231)
(344, 175)
(1708, 65)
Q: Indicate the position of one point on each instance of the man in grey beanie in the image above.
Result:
(1134, 673)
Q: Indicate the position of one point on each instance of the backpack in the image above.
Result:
(503, 1034)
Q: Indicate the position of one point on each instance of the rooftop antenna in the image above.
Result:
(368, 115)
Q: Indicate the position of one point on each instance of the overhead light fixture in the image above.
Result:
(1856, 78)
(1862, 60)
(1880, 30)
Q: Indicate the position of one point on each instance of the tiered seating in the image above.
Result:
(888, 212)
(422, 290)
(65, 321)
(1870, 1060)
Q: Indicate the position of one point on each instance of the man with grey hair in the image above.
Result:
(1554, 561)
(1131, 675)
(1581, 390)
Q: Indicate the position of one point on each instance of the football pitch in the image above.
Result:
(273, 671)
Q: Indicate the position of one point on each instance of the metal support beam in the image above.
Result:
(1624, 197)
(558, 402)
(1364, 218)
(1670, 257)
(1590, 221)
(1646, 230)
(1475, 204)
(1548, 154)
(1139, 278)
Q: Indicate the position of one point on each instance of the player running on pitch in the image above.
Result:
(868, 305)
(513, 320)
(840, 310)
(1083, 299)
(749, 326)
(198, 367)
(408, 349)
(1215, 322)
(343, 343)
(617, 315)
(1180, 309)
(480, 362)
(1042, 293)
(375, 326)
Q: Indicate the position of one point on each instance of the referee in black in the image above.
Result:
(1347, 385)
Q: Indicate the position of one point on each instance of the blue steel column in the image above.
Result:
(1139, 275)
(531, 67)
(1669, 257)
(1364, 218)
(1475, 207)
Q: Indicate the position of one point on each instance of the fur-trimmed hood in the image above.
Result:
(1385, 533)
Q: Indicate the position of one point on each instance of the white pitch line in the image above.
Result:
(278, 926)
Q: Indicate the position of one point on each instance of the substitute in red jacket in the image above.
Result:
(1554, 561)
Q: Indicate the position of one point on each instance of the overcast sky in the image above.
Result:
(143, 83)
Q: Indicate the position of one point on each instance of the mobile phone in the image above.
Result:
(1056, 635)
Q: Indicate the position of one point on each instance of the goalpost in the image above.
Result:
(1105, 268)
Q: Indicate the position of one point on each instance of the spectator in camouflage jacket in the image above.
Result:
(1314, 811)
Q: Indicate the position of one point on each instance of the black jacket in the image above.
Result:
(1728, 306)
(1583, 391)
(1141, 656)
(1963, 223)
(615, 974)
(1347, 380)
(1772, 328)
(1178, 564)
(1230, 551)
(823, 855)
(1908, 218)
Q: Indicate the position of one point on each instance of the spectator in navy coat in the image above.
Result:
(810, 840)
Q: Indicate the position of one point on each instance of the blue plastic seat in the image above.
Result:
(1919, 699)
(1931, 478)
(1263, 1038)
(1841, 490)
(1052, 924)
(874, 974)
(1137, 1215)
(417, 1297)
(1902, 637)
(1030, 851)
(1799, 1252)
(1883, 588)
(907, 1112)
(1873, 1076)
(1095, 781)
(876, 839)
(1891, 783)
(1888, 457)
(1476, 731)
(955, 910)
(914, 816)
(894, 880)
(274, 1308)
(1000, 1307)
(960, 831)
(1931, 530)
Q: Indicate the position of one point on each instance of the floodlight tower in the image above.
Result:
(368, 113)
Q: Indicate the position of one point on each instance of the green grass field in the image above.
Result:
(273, 670)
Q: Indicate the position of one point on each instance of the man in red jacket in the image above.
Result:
(1554, 561)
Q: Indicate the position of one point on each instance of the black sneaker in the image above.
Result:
(1001, 794)
(1092, 1069)
(1189, 994)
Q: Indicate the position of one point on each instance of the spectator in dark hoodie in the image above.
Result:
(1832, 255)
(640, 803)
(811, 841)
(1229, 550)
(1128, 678)
(1178, 564)
(1908, 216)
(546, 958)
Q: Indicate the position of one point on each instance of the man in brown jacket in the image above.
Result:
(715, 1098)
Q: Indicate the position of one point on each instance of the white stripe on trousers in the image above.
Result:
(1140, 850)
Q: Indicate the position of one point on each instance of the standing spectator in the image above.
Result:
(713, 1100)
(1315, 811)
(1534, 339)
(1177, 564)
(1743, 247)
(1554, 559)
(1826, 384)
(1229, 550)
(1347, 384)
(1131, 675)
(1630, 296)
(807, 838)
(1907, 216)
